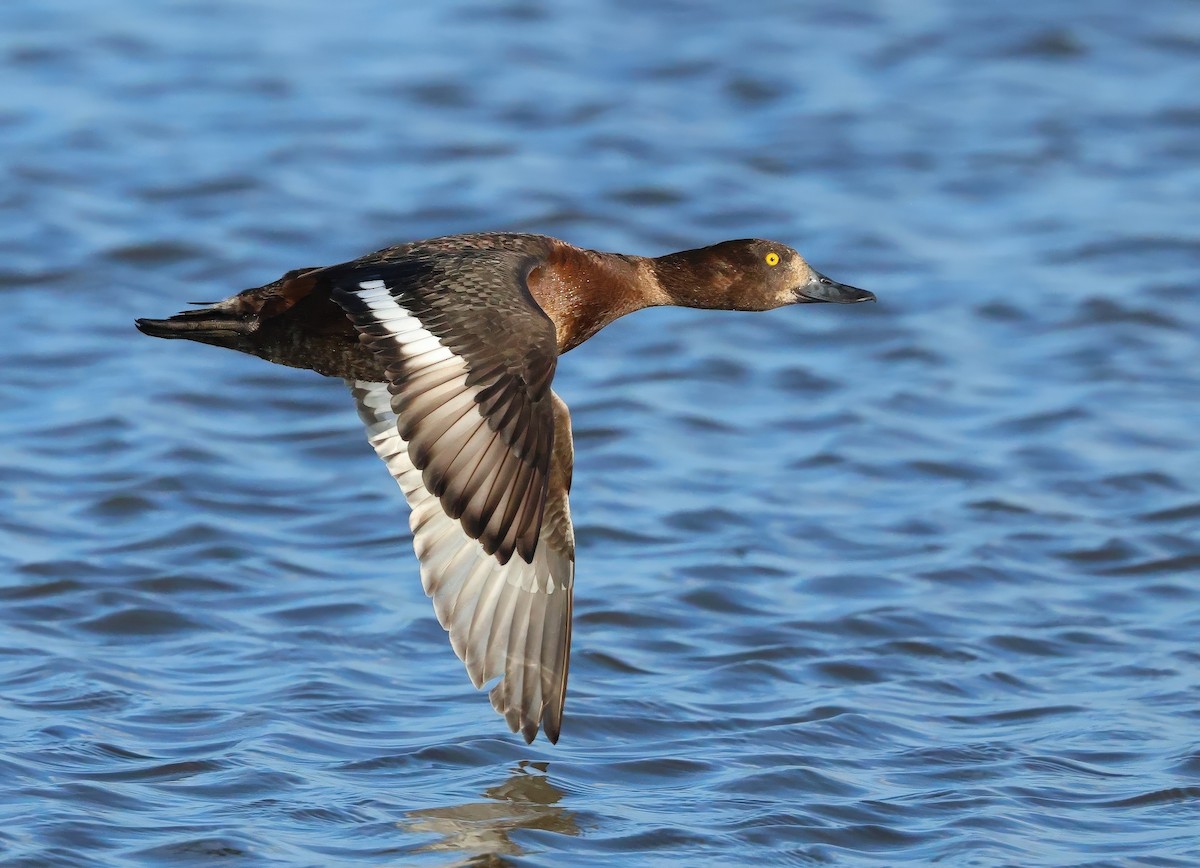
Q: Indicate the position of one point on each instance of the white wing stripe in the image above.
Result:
(413, 339)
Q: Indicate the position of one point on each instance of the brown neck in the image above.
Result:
(582, 291)
(694, 278)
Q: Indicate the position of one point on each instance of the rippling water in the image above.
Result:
(912, 581)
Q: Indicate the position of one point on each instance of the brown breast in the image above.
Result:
(582, 291)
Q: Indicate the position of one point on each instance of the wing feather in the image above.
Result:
(508, 619)
(468, 356)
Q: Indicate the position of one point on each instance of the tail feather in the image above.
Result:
(210, 326)
(233, 322)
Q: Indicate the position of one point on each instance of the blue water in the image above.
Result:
(912, 581)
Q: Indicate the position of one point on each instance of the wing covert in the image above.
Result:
(469, 358)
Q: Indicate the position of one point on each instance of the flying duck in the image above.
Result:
(449, 346)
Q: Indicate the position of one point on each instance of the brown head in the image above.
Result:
(750, 274)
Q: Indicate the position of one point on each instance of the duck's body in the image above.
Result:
(449, 346)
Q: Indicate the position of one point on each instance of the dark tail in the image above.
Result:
(209, 325)
(235, 322)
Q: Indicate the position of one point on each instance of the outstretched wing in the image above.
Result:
(469, 357)
(508, 619)
(481, 446)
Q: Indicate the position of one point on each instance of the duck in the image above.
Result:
(449, 347)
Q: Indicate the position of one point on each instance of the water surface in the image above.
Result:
(913, 581)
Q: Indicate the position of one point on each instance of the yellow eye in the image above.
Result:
(772, 258)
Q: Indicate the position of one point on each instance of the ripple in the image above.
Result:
(141, 621)
(198, 849)
(163, 252)
(1173, 795)
(1188, 511)
(1171, 566)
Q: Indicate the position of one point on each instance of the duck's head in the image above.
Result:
(749, 274)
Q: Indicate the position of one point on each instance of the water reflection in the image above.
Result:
(479, 832)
